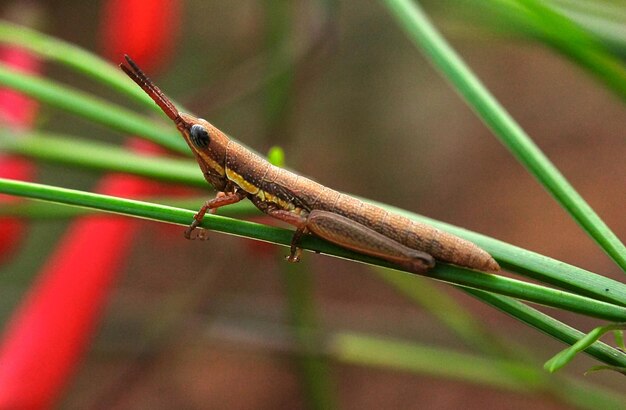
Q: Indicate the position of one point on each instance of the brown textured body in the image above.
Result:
(238, 173)
(300, 195)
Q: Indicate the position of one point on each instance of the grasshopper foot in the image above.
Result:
(294, 256)
(191, 228)
(188, 232)
(201, 234)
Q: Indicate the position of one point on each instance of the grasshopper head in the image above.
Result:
(206, 142)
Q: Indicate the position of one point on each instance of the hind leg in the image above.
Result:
(352, 235)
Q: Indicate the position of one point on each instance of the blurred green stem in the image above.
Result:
(278, 91)
(570, 39)
(92, 108)
(74, 57)
(505, 374)
(449, 312)
(315, 368)
(89, 154)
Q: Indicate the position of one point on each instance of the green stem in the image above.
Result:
(421, 31)
(74, 57)
(532, 264)
(314, 366)
(450, 312)
(92, 108)
(570, 39)
(548, 325)
(567, 355)
(105, 157)
(366, 350)
(45, 211)
(448, 273)
(74, 151)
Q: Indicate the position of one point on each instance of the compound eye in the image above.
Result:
(199, 136)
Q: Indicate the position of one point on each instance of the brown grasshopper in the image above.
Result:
(238, 173)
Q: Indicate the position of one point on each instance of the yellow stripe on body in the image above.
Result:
(255, 190)
(241, 182)
(214, 165)
(288, 206)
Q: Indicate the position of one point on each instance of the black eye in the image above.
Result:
(199, 136)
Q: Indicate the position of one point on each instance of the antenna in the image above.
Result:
(142, 80)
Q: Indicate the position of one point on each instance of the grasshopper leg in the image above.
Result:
(222, 199)
(292, 219)
(350, 234)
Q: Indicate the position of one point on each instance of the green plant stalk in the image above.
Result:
(278, 92)
(81, 153)
(425, 36)
(443, 307)
(281, 236)
(49, 211)
(74, 151)
(74, 57)
(603, 10)
(568, 38)
(565, 356)
(400, 355)
(444, 272)
(555, 27)
(448, 311)
(617, 369)
(548, 325)
(92, 108)
(523, 290)
(532, 264)
(367, 350)
(604, 20)
(315, 369)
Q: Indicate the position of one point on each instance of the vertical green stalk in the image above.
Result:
(314, 366)
(449, 312)
(297, 279)
(280, 67)
(421, 31)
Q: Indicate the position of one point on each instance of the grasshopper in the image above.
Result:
(237, 173)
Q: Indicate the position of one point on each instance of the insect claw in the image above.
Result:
(188, 234)
(203, 235)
